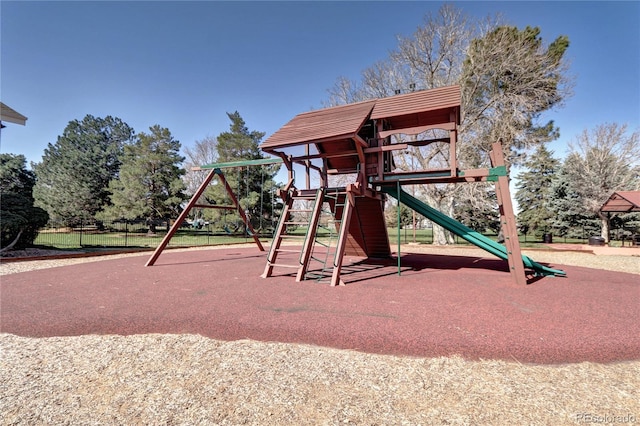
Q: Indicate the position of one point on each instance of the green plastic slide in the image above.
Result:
(465, 232)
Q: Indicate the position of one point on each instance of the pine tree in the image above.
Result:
(239, 143)
(534, 191)
(149, 185)
(253, 186)
(570, 219)
(73, 177)
(509, 79)
(20, 220)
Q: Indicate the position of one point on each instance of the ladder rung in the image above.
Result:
(291, 237)
(300, 211)
(317, 275)
(287, 251)
(296, 223)
(282, 265)
(323, 261)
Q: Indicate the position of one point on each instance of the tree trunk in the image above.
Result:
(10, 246)
(606, 225)
(441, 236)
(152, 227)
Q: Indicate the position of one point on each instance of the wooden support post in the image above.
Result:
(507, 219)
(398, 234)
(181, 218)
(350, 203)
(309, 241)
(307, 168)
(453, 139)
(361, 144)
(379, 128)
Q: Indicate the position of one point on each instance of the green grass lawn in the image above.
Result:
(190, 237)
(76, 240)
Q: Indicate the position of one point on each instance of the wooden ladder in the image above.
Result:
(325, 258)
(287, 219)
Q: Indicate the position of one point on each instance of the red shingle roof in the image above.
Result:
(337, 122)
(417, 102)
(425, 107)
(622, 202)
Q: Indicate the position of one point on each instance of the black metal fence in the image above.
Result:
(134, 234)
(140, 234)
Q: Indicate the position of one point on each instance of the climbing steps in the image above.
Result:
(295, 214)
(338, 221)
(319, 250)
(323, 252)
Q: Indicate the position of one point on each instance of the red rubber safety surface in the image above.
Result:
(440, 306)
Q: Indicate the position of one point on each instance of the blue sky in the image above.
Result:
(183, 65)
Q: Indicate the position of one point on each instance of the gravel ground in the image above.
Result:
(187, 379)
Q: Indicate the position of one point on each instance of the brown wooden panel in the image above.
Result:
(336, 147)
(367, 231)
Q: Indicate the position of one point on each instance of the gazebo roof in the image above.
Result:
(622, 202)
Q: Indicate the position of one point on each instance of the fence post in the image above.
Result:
(81, 225)
(126, 232)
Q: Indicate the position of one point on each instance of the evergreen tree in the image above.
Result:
(569, 218)
(509, 79)
(479, 213)
(149, 185)
(19, 219)
(73, 177)
(406, 215)
(534, 191)
(239, 143)
(253, 186)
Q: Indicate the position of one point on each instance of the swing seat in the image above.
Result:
(230, 231)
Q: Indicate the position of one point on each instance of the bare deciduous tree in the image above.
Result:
(202, 152)
(508, 78)
(601, 161)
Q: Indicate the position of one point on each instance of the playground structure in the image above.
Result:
(359, 141)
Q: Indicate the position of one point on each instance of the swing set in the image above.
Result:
(216, 170)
